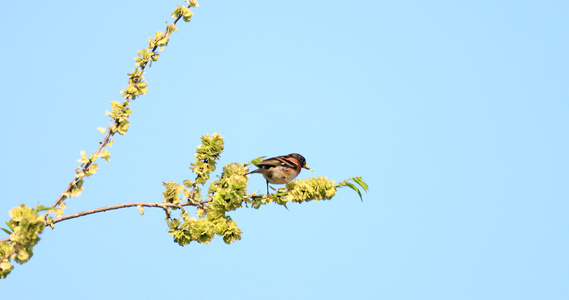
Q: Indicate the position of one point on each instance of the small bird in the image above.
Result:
(281, 169)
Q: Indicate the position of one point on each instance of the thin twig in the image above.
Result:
(130, 204)
(109, 134)
(164, 206)
(103, 144)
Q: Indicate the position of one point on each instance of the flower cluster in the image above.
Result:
(25, 226)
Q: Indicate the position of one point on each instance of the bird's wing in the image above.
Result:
(280, 161)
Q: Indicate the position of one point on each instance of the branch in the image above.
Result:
(68, 189)
(110, 132)
(26, 235)
(164, 206)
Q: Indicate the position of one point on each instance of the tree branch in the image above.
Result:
(164, 206)
(109, 134)
(85, 168)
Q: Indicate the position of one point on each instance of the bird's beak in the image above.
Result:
(308, 168)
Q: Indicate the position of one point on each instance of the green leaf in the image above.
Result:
(255, 161)
(123, 127)
(50, 222)
(105, 154)
(58, 212)
(5, 265)
(76, 189)
(92, 169)
(359, 181)
(188, 183)
(9, 226)
(42, 208)
(355, 188)
(84, 159)
(176, 12)
(172, 192)
(158, 35)
(23, 256)
(187, 14)
(7, 231)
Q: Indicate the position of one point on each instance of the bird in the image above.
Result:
(281, 169)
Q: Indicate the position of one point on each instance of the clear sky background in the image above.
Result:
(454, 112)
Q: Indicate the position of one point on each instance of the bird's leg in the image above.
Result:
(267, 187)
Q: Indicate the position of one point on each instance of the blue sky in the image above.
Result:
(454, 113)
